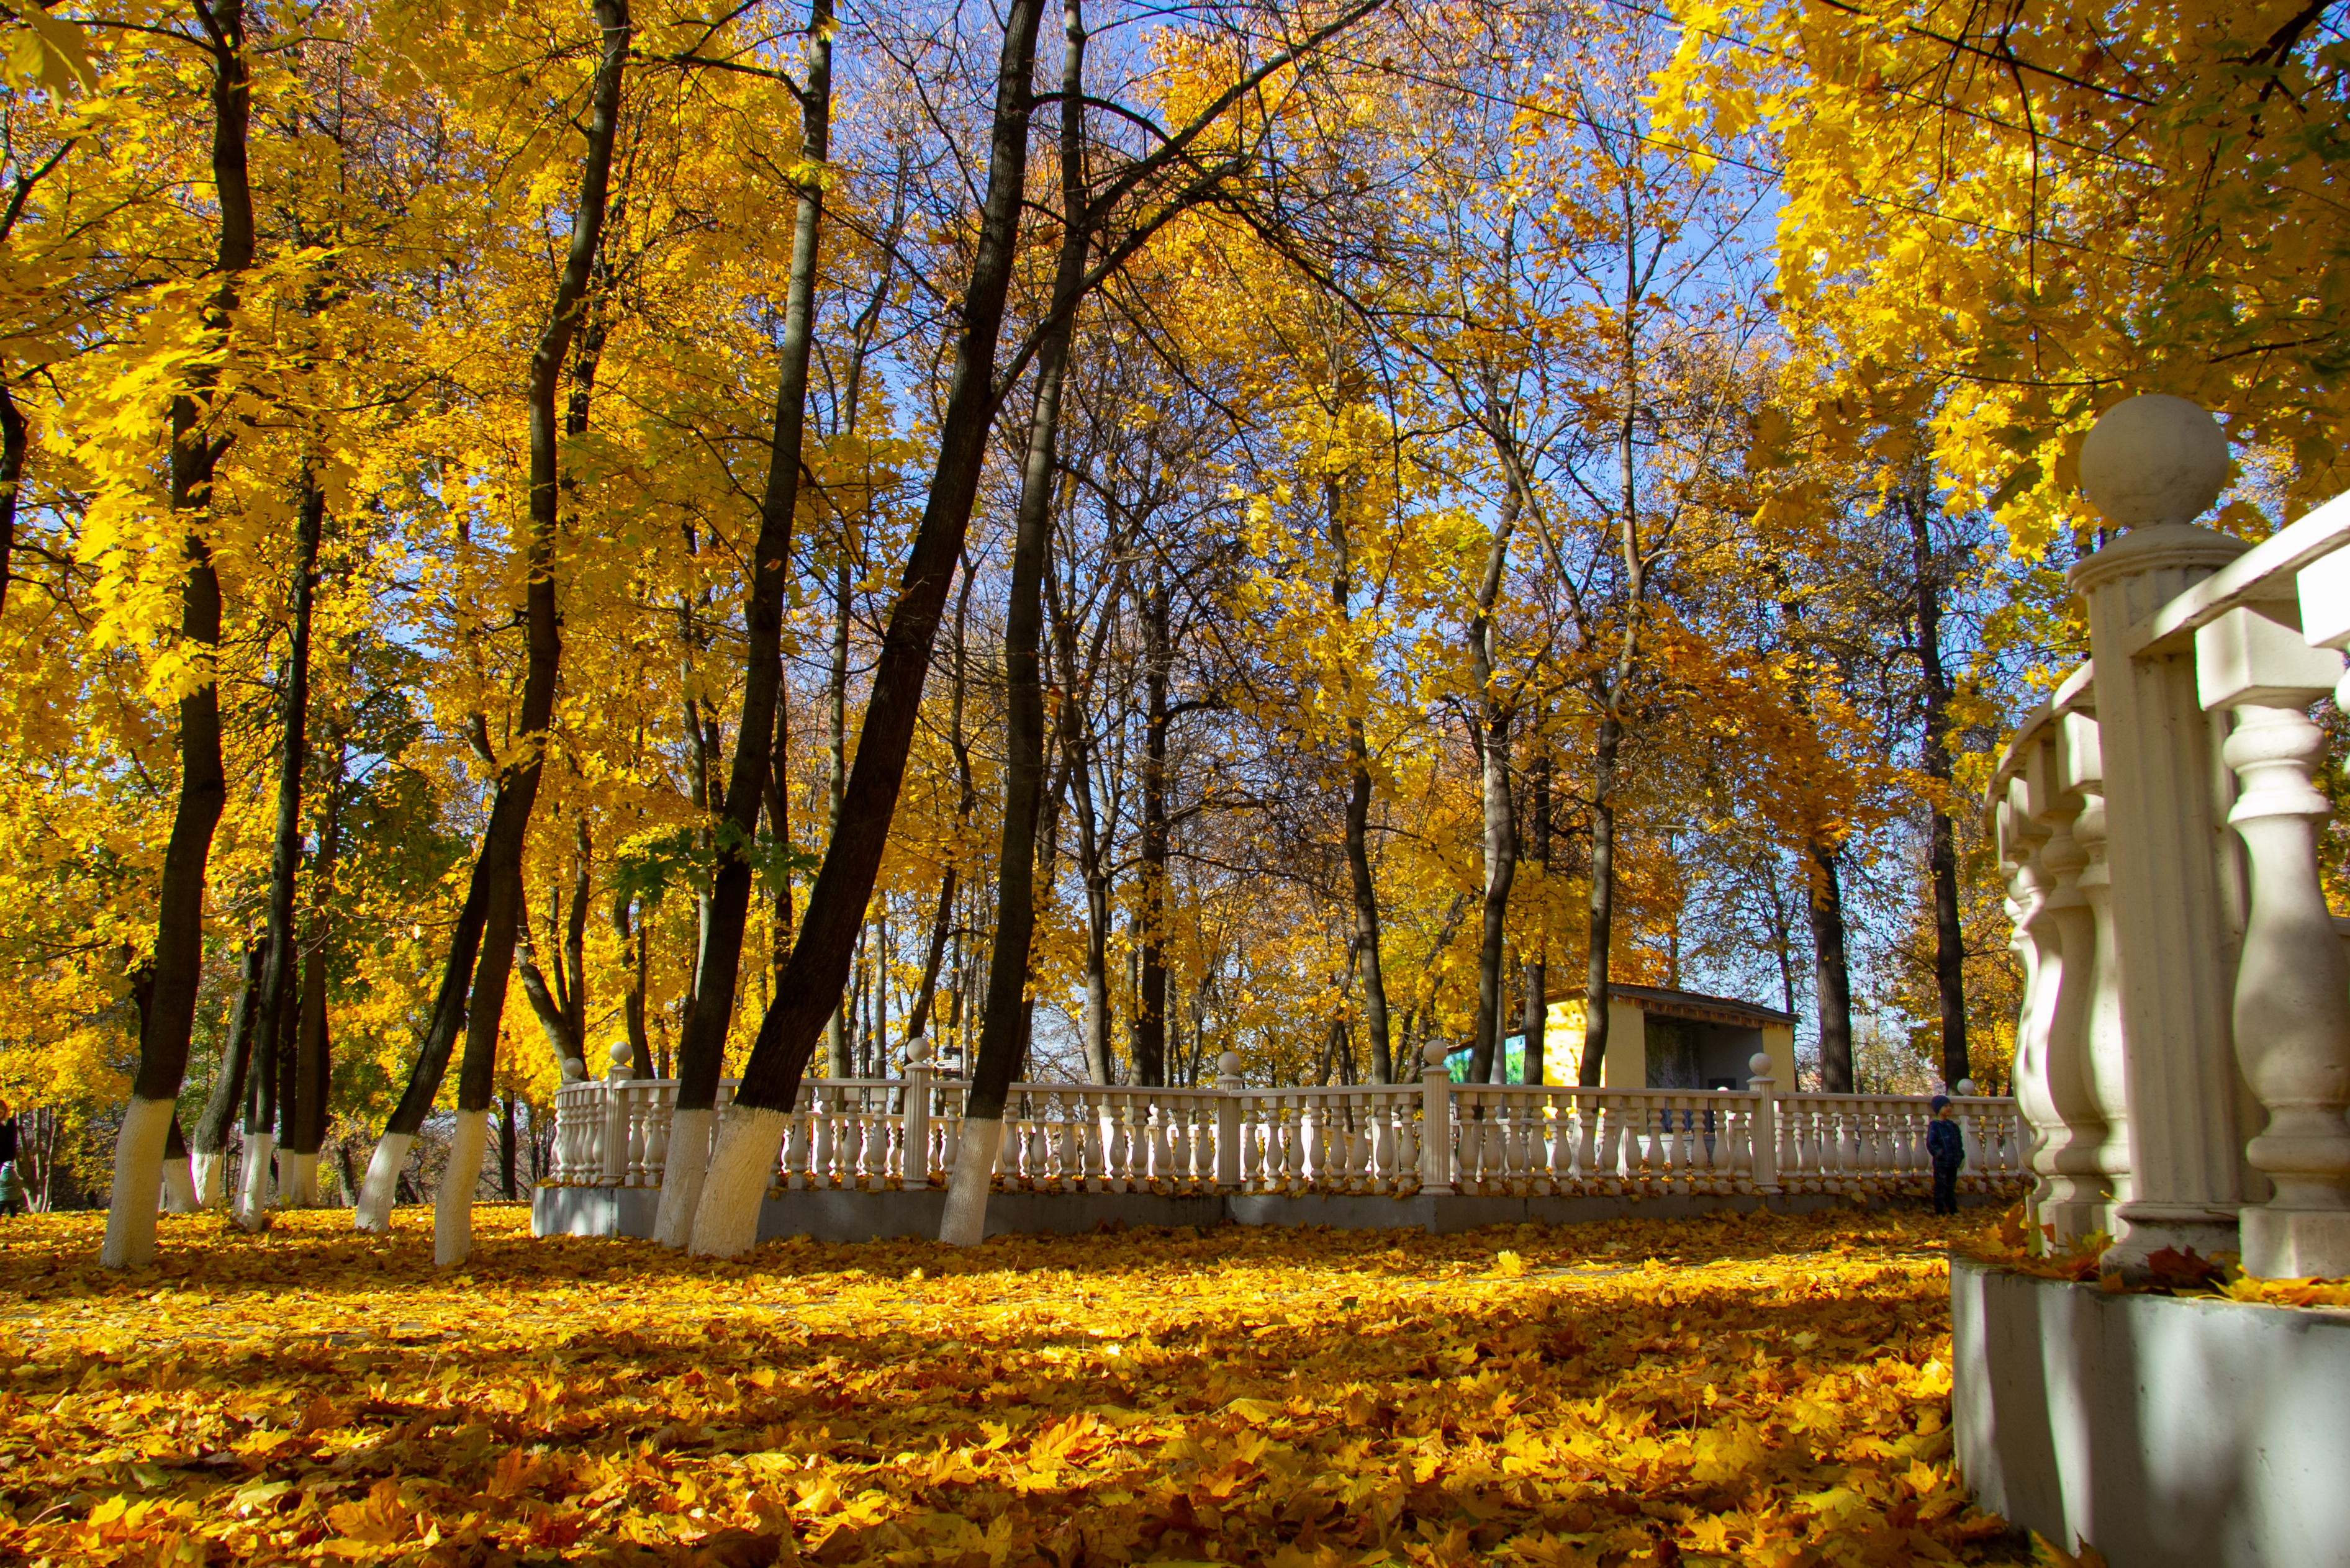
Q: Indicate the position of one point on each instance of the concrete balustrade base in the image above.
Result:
(847, 1215)
(2166, 1432)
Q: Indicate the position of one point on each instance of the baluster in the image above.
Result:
(1691, 1146)
(1117, 1157)
(820, 1119)
(795, 1149)
(1069, 1140)
(877, 1138)
(2291, 1011)
(649, 1113)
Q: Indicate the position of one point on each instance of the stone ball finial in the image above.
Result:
(1434, 1052)
(2154, 459)
(1229, 1064)
(1758, 1066)
(918, 1049)
(619, 1056)
(574, 1069)
(1964, 1088)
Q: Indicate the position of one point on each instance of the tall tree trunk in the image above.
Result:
(1150, 869)
(1537, 1014)
(279, 993)
(1829, 969)
(507, 1189)
(1493, 736)
(1003, 1035)
(702, 1050)
(208, 1149)
(1942, 853)
(585, 326)
(1358, 810)
(500, 864)
(177, 961)
(966, 802)
(16, 441)
(302, 1112)
(835, 1028)
(1618, 682)
(727, 1221)
(934, 954)
(1093, 852)
(1596, 997)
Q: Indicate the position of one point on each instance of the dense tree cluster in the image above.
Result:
(737, 539)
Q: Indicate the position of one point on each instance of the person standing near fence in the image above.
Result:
(1948, 1150)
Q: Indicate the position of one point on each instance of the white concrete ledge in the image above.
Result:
(841, 1214)
(2166, 1432)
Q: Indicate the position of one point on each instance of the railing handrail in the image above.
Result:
(1258, 1091)
(2250, 579)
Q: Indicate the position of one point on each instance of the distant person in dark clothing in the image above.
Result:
(12, 1191)
(1948, 1150)
(7, 1133)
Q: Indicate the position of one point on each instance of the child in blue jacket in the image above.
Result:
(1948, 1150)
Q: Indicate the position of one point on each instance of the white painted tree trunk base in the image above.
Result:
(453, 1206)
(682, 1173)
(373, 1211)
(205, 1170)
(726, 1220)
(178, 1187)
(253, 1199)
(138, 1177)
(298, 1179)
(964, 1223)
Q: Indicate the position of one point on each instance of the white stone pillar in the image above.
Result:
(1230, 1084)
(2150, 465)
(1435, 1120)
(612, 1160)
(914, 1163)
(1763, 1131)
(2292, 983)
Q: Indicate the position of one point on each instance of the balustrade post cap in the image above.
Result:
(1434, 1052)
(1229, 1064)
(619, 1056)
(1963, 1088)
(574, 1069)
(918, 1051)
(1759, 1064)
(2154, 459)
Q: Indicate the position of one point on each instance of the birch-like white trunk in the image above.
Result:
(964, 1224)
(742, 1169)
(684, 1167)
(373, 1211)
(453, 1206)
(138, 1177)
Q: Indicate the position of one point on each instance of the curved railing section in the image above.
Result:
(2159, 828)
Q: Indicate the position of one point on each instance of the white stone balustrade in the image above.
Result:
(1395, 1140)
(2183, 1048)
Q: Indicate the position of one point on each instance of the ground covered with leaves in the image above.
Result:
(1738, 1389)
